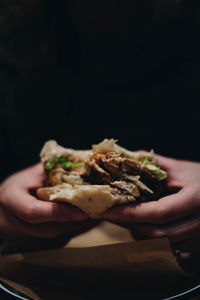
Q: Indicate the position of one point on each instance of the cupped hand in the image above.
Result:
(176, 216)
(24, 217)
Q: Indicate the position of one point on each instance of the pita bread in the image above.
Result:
(96, 196)
(94, 200)
(52, 149)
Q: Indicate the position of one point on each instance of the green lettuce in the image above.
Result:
(160, 174)
(156, 171)
(64, 162)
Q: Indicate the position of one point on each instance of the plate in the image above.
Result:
(10, 293)
(186, 295)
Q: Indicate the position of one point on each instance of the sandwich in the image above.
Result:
(97, 179)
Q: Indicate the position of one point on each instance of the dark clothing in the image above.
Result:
(65, 76)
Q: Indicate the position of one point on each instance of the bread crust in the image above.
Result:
(52, 149)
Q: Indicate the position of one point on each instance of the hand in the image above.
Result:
(24, 218)
(176, 216)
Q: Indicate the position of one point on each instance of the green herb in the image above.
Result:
(65, 164)
(69, 165)
(77, 165)
(62, 160)
(160, 174)
(156, 171)
(50, 165)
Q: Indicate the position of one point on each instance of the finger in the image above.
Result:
(54, 229)
(32, 210)
(22, 243)
(35, 169)
(28, 179)
(146, 231)
(165, 210)
(172, 167)
(11, 227)
(166, 163)
(163, 162)
(32, 178)
(186, 229)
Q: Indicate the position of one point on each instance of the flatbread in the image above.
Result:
(52, 149)
(94, 193)
(94, 200)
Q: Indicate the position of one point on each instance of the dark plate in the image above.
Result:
(187, 294)
(10, 293)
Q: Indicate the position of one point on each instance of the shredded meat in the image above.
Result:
(117, 165)
(127, 177)
(126, 188)
(95, 174)
(54, 177)
(116, 170)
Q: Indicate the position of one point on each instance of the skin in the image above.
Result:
(176, 216)
(27, 222)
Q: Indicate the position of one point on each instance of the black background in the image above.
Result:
(78, 73)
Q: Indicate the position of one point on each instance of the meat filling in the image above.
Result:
(127, 176)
